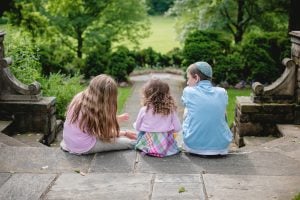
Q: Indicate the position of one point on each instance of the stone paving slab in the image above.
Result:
(115, 161)
(41, 160)
(9, 141)
(177, 164)
(101, 186)
(26, 186)
(178, 186)
(4, 124)
(289, 143)
(249, 163)
(30, 139)
(244, 163)
(4, 177)
(237, 187)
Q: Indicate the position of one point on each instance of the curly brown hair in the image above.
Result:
(156, 94)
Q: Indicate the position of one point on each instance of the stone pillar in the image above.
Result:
(24, 104)
(278, 103)
(295, 51)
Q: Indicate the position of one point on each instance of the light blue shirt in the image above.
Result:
(205, 130)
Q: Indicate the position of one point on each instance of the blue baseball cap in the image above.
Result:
(204, 68)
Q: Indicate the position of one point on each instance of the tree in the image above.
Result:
(88, 21)
(5, 6)
(158, 6)
(294, 22)
(235, 16)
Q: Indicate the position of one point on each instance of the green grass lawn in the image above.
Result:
(123, 94)
(232, 94)
(162, 35)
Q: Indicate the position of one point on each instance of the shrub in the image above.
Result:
(121, 63)
(176, 57)
(229, 68)
(97, 60)
(263, 55)
(54, 59)
(63, 88)
(204, 45)
(26, 66)
(258, 63)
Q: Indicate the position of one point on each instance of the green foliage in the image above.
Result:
(147, 57)
(176, 57)
(263, 54)
(54, 58)
(68, 29)
(157, 7)
(297, 197)
(26, 66)
(204, 45)
(63, 88)
(234, 17)
(97, 60)
(121, 63)
(229, 68)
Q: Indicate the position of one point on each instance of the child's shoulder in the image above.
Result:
(143, 108)
(220, 89)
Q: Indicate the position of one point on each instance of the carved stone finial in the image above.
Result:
(258, 88)
(282, 90)
(11, 89)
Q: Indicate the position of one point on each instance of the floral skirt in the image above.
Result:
(158, 144)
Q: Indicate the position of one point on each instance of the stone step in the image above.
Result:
(58, 139)
(9, 141)
(4, 124)
(256, 141)
(289, 130)
(30, 139)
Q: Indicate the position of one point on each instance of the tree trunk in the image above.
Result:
(238, 36)
(79, 43)
(294, 18)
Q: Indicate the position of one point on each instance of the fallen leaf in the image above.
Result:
(45, 167)
(82, 173)
(181, 189)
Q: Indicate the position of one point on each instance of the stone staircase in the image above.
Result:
(265, 169)
(19, 140)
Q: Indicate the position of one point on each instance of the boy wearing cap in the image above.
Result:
(205, 130)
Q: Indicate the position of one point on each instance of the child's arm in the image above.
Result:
(139, 119)
(123, 117)
(128, 134)
(176, 122)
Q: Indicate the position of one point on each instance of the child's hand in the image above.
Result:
(123, 117)
(129, 134)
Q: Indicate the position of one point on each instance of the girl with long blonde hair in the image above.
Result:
(92, 124)
(157, 121)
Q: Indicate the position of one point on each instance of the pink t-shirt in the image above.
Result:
(76, 140)
(148, 122)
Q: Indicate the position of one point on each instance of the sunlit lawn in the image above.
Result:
(232, 94)
(123, 94)
(162, 35)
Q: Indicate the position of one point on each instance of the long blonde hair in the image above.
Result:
(95, 109)
(156, 94)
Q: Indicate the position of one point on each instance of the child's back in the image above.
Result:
(157, 121)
